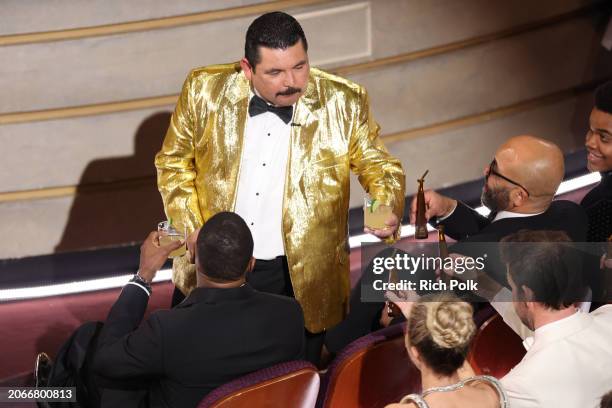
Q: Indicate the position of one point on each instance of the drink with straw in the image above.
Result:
(168, 233)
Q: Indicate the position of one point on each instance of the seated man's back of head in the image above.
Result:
(224, 329)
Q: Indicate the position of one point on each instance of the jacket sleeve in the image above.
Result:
(126, 350)
(463, 222)
(175, 162)
(380, 174)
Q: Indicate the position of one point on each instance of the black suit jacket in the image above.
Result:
(468, 227)
(598, 206)
(212, 337)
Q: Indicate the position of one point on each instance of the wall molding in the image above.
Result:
(411, 134)
(68, 191)
(470, 42)
(165, 100)
(503, 111)
(153, 24)
(88, 110)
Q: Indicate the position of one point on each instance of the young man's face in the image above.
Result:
(281, 76)
(598, 141)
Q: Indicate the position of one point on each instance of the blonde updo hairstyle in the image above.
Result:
(441, 328)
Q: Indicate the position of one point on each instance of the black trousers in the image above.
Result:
(272, 276)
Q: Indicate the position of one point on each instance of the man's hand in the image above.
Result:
(436, 205)
(191, 245)
(392, 224)
(487, 286)
(153, 255)
(404, 300)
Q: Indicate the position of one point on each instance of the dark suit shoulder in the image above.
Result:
(602, 191)
(565, 205)
(566, 208)
(278, 302)
(561, 215)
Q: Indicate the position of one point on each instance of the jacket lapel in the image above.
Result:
(304, 125)
(232, 134)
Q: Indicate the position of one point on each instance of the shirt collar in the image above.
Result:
(557, 330)
(509, 214)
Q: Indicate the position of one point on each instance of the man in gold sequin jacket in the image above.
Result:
(329, 131)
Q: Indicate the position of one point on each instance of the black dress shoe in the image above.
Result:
(42, 369)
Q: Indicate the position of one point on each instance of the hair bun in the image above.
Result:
(450, 323)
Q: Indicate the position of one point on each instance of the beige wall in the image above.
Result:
(117, 146)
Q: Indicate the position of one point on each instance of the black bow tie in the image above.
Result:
(258, 106)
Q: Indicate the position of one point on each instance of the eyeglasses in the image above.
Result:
(494, 172)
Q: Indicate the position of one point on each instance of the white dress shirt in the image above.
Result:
(509, 214)
(261, 184)
(568, 363)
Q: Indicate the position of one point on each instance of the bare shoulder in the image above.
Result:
(475, 395)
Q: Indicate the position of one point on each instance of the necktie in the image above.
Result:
(258, 106)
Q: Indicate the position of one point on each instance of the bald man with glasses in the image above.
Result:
(520, 184)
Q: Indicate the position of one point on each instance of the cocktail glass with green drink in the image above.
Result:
(375, 214)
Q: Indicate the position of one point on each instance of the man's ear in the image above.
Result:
(250, 265)
(518, 196)
(246, 68)
(529, 297)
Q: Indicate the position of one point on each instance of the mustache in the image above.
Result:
(289, 91)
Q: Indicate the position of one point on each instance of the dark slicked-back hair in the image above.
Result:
(272, 30)
(603, 97)
(546, 262)
(606, 400)
(225, 246)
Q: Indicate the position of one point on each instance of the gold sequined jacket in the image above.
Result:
(199, 165)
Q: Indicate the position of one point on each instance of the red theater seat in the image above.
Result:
(496, 348)
(371, 372)
(293, 384)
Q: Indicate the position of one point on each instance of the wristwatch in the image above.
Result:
(140, 281)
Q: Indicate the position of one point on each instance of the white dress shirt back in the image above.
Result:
(569, 364)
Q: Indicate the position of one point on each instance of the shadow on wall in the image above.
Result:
(117, 201)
